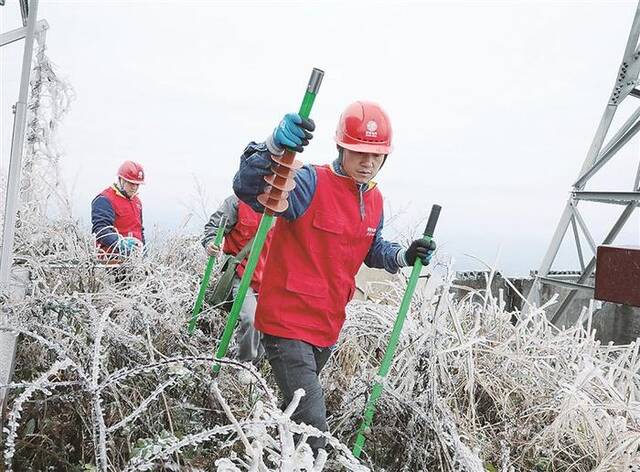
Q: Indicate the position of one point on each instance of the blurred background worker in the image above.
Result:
(241, 223)
(116, 213)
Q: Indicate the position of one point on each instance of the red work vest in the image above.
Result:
(128, 214)
(310, 273)
(245, 229)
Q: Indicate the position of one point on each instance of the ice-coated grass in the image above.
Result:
(107, 375)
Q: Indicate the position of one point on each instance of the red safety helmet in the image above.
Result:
(364, 127)
(131, 172)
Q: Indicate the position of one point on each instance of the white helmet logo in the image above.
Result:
(140, 174)
(372, 129)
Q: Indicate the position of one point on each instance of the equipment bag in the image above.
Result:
(221, 297)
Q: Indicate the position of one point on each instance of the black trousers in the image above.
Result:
(297, 364)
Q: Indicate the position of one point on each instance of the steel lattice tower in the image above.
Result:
(598, 155)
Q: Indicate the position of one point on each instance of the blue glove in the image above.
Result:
(422, 249)
(127, 245)
(293, 132)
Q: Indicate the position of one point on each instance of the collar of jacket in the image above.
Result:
(120, 192)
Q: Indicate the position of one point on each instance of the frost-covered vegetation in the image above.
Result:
(107, 377)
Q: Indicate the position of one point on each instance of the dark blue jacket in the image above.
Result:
(248, 183)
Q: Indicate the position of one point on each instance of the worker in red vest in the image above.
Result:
(116, 213)
(241, 224)
(332, 225)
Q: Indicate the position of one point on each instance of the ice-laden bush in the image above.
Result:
(107, 378)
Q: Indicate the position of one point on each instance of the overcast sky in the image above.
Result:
(493, 104)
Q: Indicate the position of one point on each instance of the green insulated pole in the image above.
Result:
(261, 235)
(395, 337)
(205, 279)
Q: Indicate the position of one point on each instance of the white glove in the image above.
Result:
(211, 248)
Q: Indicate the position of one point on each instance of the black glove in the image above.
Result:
(422, 249)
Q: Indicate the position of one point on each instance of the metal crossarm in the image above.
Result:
(616, 198)
(565, 284)
(20, 33)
